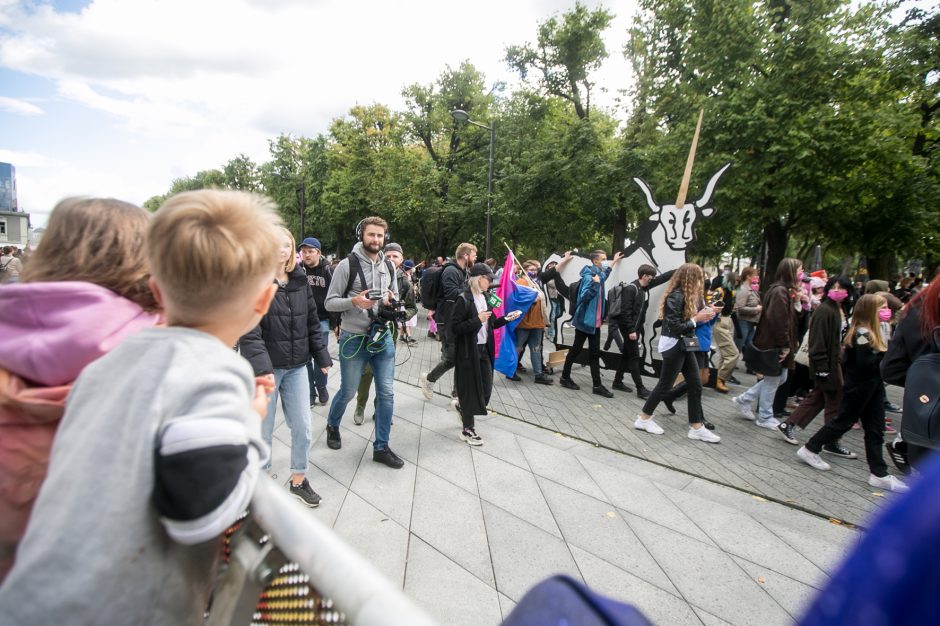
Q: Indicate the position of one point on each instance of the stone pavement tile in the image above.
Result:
(513, 489)
(551, 438)
(658, 606)
(506, 605)
(708, 619)
(375, 536)
(792, 595)
(639, 496)
(403, 439)
(450, 594)
(502, 445)
(821, 542)
(341, 464)
(439, 418)
(451, 520)
(389, 490)
(280, 458)
(559, 466)
(596, 526)
(523, 554)
(707, 577)
(737, 533)
(640, 467)
(448, 458)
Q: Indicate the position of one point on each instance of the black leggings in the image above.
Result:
(486, 375)
(630, 359)
(676, 359)
(594, 354)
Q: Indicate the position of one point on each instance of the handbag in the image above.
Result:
(802, 355)
(766, 362)
(690, 344)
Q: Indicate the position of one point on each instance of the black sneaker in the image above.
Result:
(643, 393)
(567, 383)
(601, 390)
(387, 457)
(333, 440)
(786, 430)
(323, 395)
(521, 368)
(305, 493)
(471, 437)
(837, 449)
(542, 379)
(619, 386)
(734, 381)
(707, 424)
(669, 406)
(514, 377)
(898, 453)
(891, 407)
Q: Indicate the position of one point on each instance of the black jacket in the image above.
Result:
(465, 324)
(825, 344)
(635, 301)
(906, 345)
(453, 283)
(290, 332)
(675, 322)
(862, 361)
(319, 278)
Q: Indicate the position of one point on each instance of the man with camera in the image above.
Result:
(363, 291)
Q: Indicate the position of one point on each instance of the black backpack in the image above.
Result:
(355, 269)
(921, 423)
(573, 289)
(431, 288)
(615, 301)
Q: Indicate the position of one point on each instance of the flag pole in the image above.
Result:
(515, 261)
(687, 175)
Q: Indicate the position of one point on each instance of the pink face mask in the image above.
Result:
(884, 314)
(755, 285)
(800, 275)
(838, 295)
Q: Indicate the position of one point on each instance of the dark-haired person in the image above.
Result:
(777, 330)
(319, 276)
(728, 353)
(747, 306)
(825, 366)
(631, 321)
(680, 314)
(588, 319)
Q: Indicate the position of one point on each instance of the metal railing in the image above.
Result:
(284, 566)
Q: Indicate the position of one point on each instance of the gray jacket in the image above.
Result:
(339, 300)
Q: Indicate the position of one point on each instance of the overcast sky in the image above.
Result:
(118, 97)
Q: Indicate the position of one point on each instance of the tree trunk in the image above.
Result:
(881, 266)
(776, 238)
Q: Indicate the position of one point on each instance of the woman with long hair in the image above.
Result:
(83, 291)
(747, 306)
(680, 312)
(776, 331)
(280, 347)
(863, 396)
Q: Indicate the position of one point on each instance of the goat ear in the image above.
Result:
(654, 217)
(707, 212)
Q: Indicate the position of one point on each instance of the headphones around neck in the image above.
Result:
(359, 232)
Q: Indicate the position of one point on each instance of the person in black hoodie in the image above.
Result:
(630, 322)
(319, 276)
(280, 347)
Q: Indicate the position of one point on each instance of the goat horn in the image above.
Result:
(649, 194)
(687, 175)
(710, 187)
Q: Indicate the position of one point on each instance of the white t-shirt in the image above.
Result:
(480, 301)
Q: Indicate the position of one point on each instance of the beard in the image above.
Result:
(372, 247)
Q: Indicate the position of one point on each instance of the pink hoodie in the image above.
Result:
(48, 333)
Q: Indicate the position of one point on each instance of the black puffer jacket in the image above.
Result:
(290, 332)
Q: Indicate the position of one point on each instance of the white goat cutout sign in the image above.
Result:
(663, 242)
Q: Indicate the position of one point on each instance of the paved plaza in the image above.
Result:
(466, 531)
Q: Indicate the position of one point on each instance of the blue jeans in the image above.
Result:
(552, 318)
(764, 392)
(315, 376)
(747, 330)
(531, 337)
(293, 388)
(353, 357)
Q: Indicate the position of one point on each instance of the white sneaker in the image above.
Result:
(770, 423)
(648, 425)
(425, 385)
(889, 483)
(744, 408)
(471, 437)
(703, 434)
(812, 459)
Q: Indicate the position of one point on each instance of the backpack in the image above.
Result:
(615, 301)
(921, 423)
(432, 291)
(573, 289)
(355, 269)
(3, 267)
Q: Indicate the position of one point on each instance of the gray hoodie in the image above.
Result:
(338, 300)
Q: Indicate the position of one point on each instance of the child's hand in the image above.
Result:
(264, 386)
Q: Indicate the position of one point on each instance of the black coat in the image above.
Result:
(319, 279)
(635, 302)
(825, 345)
(289, 334)
(465, 324)
(675, 322)
(453, 284)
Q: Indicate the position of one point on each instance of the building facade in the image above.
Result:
(7, 187)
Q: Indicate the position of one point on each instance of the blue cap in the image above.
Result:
(311, 242)
(408, 264)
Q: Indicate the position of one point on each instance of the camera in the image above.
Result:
(395, 310)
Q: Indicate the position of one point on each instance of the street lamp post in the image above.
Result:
(462, 116)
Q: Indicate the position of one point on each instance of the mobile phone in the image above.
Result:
(374, 294)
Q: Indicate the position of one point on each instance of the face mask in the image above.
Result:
(532, 274)
(755, 286)
(605, 265)
(800, 275)
(838, 295)
(884, 314)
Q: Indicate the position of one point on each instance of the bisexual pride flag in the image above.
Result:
(515, 297)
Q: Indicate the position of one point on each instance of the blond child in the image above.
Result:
(159, 447)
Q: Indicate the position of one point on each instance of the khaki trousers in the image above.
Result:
(727, 352)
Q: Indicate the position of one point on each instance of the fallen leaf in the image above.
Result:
(597, 406)
(759, 499)
(611, 514)
(835, 521)
(762, 580)
(878, 494)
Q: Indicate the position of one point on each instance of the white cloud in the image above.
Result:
(25, 159)
(194, 83)
(19, 106)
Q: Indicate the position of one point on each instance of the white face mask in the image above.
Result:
(605, 265)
